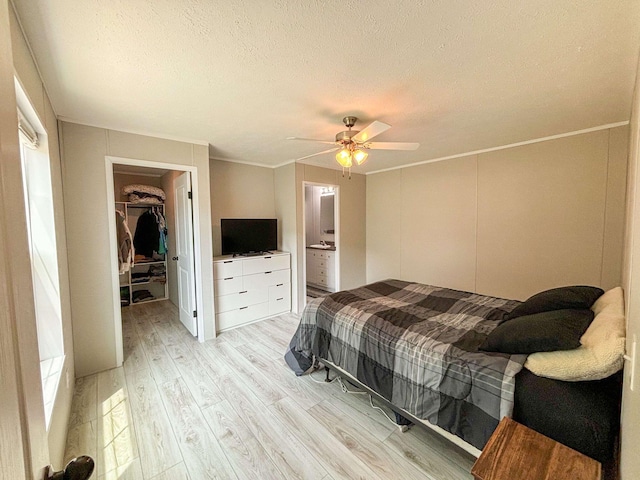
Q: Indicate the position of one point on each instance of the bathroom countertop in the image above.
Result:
(332, 249)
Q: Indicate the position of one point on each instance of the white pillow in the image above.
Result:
(602, 346)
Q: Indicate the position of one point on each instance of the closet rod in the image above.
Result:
(142, 205)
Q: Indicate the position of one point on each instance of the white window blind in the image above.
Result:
(28, 134)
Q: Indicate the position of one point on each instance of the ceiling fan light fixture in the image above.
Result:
(352, 145)
(360, 156)
(343, 157)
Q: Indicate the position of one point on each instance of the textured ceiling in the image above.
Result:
(454, 75)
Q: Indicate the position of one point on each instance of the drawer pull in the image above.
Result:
(279, 284)
(242, 308)
(228, 261)
(228, 278)
(278, 299)
(240, 293)
(267, 273)
(266, 258)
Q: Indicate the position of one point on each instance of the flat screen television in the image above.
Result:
(245, 236)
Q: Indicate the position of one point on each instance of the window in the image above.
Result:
(36, 176)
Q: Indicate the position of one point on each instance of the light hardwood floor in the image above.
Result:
(230, 408)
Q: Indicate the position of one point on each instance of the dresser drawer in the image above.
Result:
(278, 291)
(235, 318)
(321, 272)
(279, 299)
(265, 264)
(241, 299)
(227, 269)
(321, 263)
(264, 280)
(321, 281)
(225, 286)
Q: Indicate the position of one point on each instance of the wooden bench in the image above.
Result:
(517, 452)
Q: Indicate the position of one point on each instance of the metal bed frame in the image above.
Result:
(467, 447)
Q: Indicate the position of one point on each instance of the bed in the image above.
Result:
(418, 347)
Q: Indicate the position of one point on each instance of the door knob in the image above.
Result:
(79, 468)
(175, 259)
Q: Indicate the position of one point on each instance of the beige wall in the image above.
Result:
(630, 430)
(245, 191)
(239, 191)
(507, 223)
(84, 150)
(286, 213)
(29, 78)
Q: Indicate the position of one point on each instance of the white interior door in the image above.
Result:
(184, 251)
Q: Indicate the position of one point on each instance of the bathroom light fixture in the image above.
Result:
(327, 191)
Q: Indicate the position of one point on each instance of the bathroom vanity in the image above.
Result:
(321, 267)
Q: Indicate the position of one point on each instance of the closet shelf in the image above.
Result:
(133, 284)
(156, 262)
(142, 205)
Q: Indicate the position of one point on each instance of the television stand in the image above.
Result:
(252, 254)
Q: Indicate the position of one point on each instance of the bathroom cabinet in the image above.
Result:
(321, 269)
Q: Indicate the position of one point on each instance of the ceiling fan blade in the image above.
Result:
(319, 153)
(310, 140)
(371, 130)
(391, 146)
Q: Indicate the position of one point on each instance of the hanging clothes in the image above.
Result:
(125, 243)
(147, 237)
(162, 228)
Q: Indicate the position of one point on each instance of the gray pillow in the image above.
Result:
(573, 297)
(540, 332)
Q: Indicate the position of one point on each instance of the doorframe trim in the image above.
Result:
(110, 161)
(336, 219)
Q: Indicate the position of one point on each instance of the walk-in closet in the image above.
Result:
(142, 237)
(150, 210)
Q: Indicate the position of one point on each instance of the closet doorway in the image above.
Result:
(322, 249)
(155, 203)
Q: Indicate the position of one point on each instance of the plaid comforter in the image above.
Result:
(417, 346)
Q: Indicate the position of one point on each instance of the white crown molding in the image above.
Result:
(135, 132)
(503, 147)
(241, 162)
(253, 164)
(408, 165)
(288, 162)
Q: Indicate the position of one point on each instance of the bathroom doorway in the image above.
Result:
(322, 272)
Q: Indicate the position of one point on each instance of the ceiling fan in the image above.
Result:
(353, 143)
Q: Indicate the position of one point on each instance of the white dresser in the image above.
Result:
(321, 268)
(251, 288)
